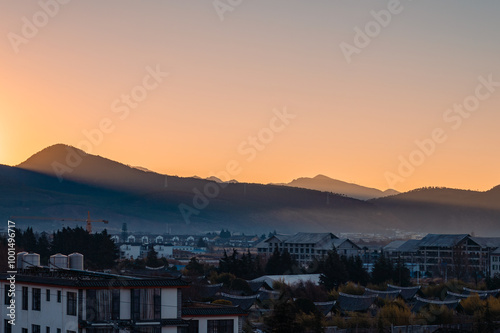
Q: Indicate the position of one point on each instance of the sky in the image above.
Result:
(386, 94)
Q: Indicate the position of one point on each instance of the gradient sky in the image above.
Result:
(353, 120)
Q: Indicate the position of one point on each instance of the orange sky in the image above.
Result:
(352, 121)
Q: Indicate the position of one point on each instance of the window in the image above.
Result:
(7, 328)
(25, 299)
(47, 295)
(35, 328)
(103, 305)
(71, 304)
(59, 296)
(68, 331)
(146, 304)
(36, 298)
(58, 330)
(24, 330)
(220, 326)
(47, 329)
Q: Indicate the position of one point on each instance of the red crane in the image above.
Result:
(88, 220)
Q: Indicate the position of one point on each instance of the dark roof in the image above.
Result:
(208, 291)
(339, 241)
(422, 302)
(256, 285)
(173, 322)
(348, 302)
(268, 294)
(244, 302)
(441, 240)
(98, 281)
(389, 294)
(394, 245)
(491, 242)
(493, 293)
(410, 245)
(406, 292)
(454, 296)
(208, 309)
(325, 307)
(309, 237)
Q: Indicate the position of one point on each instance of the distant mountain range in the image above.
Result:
(64, 182)
(327, 184)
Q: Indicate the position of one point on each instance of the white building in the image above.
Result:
(130, 251)
(305, 247)
(164, 251)
(71, 301)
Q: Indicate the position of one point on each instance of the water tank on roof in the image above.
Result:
(76, 261)
(58, 260)
(20, 259)
(31, 259)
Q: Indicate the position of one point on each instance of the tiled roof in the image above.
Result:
(441, 240)
(491, 242)
(207, 309)
(268, 294)
(454, 296)
(348, 302)
(310, 238)
(244, 302)
(422, 302)
(173, 322)
(325, 307)
(99, 282)
(493, 293)
(339, 241)
(406, 292)
(394, 245)
(389, 294)
(410, 245)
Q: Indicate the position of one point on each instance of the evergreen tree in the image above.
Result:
(382, 270)
(334, 271)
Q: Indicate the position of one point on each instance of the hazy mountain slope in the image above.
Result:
(327, 184)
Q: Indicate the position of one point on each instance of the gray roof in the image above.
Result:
(394, 245)
(325, 307)
(493, 293)
(454, 296)
(491, 242)
(310, 238)
(406, 292)
(339, 241)
(348, 302)
(389, 294)
(244, 302)
(422, 302)
(441, 240)
(410, 245)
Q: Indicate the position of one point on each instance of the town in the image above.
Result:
(229, 282)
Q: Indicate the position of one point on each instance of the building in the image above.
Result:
(446, 255)
(305, 247)
(70, 301)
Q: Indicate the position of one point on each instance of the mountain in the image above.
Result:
(327, 184)
(445, 210)
(64, 182)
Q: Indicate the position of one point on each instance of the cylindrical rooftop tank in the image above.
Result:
(31, 259)
(58, 260)
(76, 261)
(20, 259)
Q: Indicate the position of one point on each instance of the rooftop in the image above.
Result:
(310, 238)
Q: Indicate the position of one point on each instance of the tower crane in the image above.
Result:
(88, 220)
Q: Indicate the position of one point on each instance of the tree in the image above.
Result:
(194, 267)
(382, 270)
(201, 243)
(334, 272)
(401, 274)
(152, 258)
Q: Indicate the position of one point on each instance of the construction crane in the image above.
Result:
(88, 220)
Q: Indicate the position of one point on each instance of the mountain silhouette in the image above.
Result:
(327, 184)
